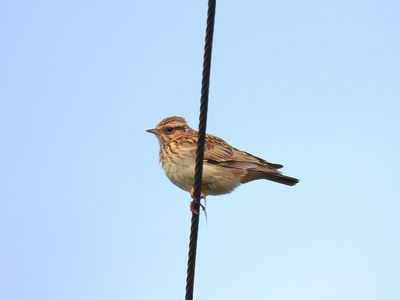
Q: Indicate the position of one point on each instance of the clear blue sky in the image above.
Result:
(85, 209)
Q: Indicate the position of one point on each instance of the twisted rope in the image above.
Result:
(194, 229)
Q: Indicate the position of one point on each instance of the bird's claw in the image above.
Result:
(193, 209)
(192, 204)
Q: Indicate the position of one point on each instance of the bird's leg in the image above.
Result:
(203, 207)
(203, 196)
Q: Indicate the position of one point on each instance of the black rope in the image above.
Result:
(194, 229)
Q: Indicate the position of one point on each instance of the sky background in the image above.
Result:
(85, 209)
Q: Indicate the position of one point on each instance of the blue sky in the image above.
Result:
(86, 211)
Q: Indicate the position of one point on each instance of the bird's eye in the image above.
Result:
(169, 129)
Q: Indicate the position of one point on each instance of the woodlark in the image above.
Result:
(224, 168)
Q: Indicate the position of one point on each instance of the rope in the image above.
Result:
(194, 229)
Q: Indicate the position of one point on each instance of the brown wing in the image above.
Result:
(216, 150)
(219, 152)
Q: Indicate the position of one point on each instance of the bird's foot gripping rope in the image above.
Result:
(193, 205)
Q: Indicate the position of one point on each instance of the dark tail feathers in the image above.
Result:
(280, 178)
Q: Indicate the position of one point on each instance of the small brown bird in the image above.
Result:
(224, 168)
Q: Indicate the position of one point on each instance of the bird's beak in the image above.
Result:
(153, 131)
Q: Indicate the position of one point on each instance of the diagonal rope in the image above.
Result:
(194, 229)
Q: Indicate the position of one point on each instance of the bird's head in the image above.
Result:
(170, 129)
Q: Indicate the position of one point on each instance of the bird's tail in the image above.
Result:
(269, 174)
(277, 177)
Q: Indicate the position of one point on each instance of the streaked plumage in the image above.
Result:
(224, 168)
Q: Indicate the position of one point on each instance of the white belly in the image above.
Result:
(181, 173)
(214, 181)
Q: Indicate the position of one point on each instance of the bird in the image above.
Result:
(224, 168)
